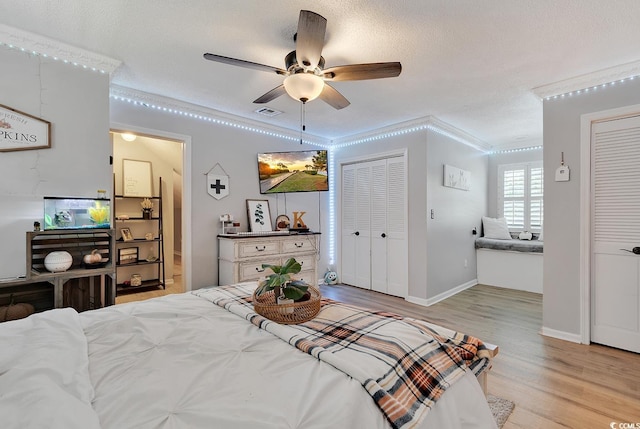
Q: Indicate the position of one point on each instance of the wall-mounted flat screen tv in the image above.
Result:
(295, 171)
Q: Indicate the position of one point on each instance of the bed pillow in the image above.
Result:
(496, 228)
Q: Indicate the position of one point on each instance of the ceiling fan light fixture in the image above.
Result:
(303, 86)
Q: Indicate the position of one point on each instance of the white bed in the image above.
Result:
(182, 362)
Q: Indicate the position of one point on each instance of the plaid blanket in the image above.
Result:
(404, 364)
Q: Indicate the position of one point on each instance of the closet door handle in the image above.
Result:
(357, 233)
(383, 235)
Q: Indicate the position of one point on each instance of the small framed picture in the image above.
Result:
(127, 255)
(259, 215)
(126, 234)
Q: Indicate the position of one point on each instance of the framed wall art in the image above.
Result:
(457, 178)
(258, 215)
(21, 131)
(136, 178)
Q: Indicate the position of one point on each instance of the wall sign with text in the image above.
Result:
(21, 131)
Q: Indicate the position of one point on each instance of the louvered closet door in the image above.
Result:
(379, 225)
(615, 279)
(356, 246)
(397, 248)
(348, 239)
(363, 226)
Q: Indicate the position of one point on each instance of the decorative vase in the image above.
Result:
(58, 261)
(146, 214)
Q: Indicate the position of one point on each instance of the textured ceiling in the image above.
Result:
(470, 63)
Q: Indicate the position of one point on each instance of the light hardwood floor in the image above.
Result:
(554, 383)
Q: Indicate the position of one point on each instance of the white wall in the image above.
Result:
(449, 235)
(76, 102)
(561, 301)
(236, 150)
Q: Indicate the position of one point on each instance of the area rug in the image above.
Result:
(500, 408)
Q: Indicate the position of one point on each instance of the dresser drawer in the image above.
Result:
(253, 270)
(307, 262)
(302, 244)
(247, 250)
(306, 276)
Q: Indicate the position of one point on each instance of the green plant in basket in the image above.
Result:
(281, 283)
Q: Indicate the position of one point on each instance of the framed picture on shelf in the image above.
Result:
(127, 255)
(259, 215)
(126, 234)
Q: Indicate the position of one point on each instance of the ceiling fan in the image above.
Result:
(306, 78)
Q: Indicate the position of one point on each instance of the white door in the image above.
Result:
(374, 233)
(615, 278)
(397, 248)
(379, 225)
(362, 231)
(348, 222)
(356, 247)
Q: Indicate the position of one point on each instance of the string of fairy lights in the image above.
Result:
(211, 118)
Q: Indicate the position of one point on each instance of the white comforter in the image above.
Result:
(183, 362)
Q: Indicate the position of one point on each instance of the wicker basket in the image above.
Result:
(287, 314)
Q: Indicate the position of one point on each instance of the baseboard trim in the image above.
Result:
(561, 335)
(440, 297)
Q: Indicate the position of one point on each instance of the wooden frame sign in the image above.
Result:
(21, 131)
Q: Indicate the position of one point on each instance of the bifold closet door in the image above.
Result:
(378, 219)
(374, 239)
(356, 246)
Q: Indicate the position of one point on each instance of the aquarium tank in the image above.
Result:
(76, 213)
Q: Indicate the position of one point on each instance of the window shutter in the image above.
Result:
(520, 195)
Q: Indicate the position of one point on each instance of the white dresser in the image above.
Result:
(240, 258)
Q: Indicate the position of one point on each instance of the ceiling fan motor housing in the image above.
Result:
(291, 64)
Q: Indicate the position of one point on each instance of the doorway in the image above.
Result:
(167, 159)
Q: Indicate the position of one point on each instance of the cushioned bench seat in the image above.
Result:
(533, 246)
(511, 264)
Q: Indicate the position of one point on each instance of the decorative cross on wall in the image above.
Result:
(217, 186)
(217, 182)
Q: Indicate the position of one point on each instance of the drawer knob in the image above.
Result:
(258, 269)
(298, 245)
(261, 249)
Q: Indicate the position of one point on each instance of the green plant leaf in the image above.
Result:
(295, 290)
(291, 266)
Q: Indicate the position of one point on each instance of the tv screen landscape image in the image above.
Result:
(295, 171)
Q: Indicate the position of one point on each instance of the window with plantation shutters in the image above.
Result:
(520, 196)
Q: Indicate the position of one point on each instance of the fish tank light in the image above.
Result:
(76, 213)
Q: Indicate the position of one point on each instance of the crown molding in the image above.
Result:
(429, 122)
(39, 45)
(589, 80)
(182, 108)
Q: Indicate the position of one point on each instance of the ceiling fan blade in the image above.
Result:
(243, 63)
(362, 71)
(310, 38)
(332, 97)
(271, 95)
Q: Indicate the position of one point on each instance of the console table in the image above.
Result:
(240, 257)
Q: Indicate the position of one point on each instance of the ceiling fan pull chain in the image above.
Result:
(303, 127)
